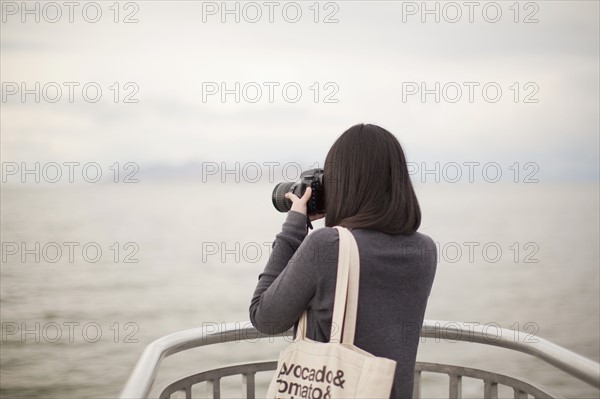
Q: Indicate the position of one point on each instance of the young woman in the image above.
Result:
(367, 190)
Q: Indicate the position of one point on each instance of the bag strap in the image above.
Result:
(345, 304)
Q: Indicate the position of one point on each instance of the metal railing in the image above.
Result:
(142, 378)
(213, 380)
(490, 380)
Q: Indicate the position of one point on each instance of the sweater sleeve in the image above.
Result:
(287, 284)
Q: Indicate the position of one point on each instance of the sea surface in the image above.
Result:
(92, 273)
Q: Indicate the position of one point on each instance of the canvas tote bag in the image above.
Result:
(318, 370)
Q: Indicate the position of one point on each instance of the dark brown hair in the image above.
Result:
(367, 185)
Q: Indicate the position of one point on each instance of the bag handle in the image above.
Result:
(345, 304)
(345, 307)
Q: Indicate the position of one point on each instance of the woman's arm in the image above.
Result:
(289, 280)
(284, 288)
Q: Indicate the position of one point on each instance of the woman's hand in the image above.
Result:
(299, 204)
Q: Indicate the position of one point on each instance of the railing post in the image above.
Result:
(213, 387)
(490, 389)
(249, 391)
(417, 385)
(520, 394)
(455, 388)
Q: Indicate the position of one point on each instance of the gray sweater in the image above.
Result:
(396, 275)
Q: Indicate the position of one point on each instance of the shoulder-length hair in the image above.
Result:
(367, 185)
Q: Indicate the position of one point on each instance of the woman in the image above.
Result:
(367, 190)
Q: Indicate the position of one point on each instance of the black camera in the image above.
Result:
(312, 178)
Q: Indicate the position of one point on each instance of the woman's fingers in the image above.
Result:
(293, 197)
(307, 194)
(299, 204)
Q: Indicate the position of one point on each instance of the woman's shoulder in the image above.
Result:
(319, 248)
(321, 236)
(321, 245)
(424, 238)
(328, 238)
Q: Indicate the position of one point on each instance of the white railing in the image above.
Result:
(142, 378)
(247, 371)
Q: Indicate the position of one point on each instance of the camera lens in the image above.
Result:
(281, 203)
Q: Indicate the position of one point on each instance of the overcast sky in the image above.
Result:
(373, 56)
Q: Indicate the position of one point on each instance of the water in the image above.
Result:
(170, 226)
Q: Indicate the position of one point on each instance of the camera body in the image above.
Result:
(312, 178)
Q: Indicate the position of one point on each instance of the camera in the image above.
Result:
(312, 178)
